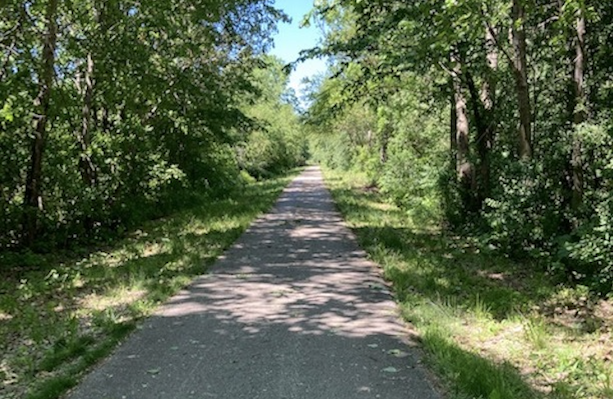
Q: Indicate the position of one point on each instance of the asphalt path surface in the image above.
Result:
(293, 310)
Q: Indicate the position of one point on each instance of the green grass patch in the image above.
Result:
(62, 313)
(492, 327)
(64, 350)
(473, 375)
(53, 387)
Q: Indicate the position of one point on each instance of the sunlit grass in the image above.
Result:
(493, 328)
(59, 314)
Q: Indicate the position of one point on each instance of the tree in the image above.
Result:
(276, 143)
(520, 71)
(33, 193)
(133, 103)
(579, 107)
(528, 118)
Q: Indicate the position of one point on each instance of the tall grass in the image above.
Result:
(492, 328)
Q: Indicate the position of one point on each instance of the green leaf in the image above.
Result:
(6, 112)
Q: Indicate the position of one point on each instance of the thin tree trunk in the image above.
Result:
(33, 202)
(384, 144)
(464, 167)
(488, 92)
(88, 170)
(485, 141)
(481, 124)
(579, 112)
(453, 128)
(520, 69)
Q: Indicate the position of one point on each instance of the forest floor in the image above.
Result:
(60, 313)
(492, 327)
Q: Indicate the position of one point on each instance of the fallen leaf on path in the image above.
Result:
(398, 353)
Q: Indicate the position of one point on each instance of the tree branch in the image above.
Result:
(500, 47)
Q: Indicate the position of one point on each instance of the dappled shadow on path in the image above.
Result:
(299, 266)
(292, 310)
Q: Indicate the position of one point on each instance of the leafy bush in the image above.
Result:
(410, 179)
(590, 256)
(522, 216)
(587, 253)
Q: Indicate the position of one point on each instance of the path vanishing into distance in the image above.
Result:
(293, 310)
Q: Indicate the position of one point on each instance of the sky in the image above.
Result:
(291, 39)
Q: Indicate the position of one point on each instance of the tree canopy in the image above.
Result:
(492, 116)
(110, 108)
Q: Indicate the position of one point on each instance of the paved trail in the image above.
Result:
(292, 311)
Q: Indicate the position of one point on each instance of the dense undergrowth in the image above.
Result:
(492, 327)
(63, 311)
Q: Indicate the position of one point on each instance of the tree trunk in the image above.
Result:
(520, 71)
(485, 141)
(453, 128)
(33, 202)
(464, 167)
(488, 91)
(88, 170)
(579, 112)
(383, 145)
(483, 149)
